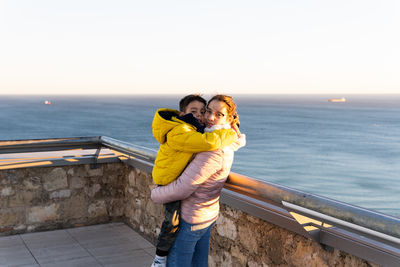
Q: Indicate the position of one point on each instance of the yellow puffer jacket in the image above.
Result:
(179, 141)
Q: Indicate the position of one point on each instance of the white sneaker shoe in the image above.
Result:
(159, 262)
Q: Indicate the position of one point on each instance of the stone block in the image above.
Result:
(143, 181)
(34, 197)
(3, 202)
(239, 257)
(55, 179)
(248, 238)
(75, 207)
(137, 214)
(97, 209)
(226, 259)
(77, 182)
(13, 176)
(70, 171)
(253, 264)
(91, 191)
(117, 207)
(20, 227)
(132, 191)
(132, 178)
(10, 217)
(232, 212)
(43, 213)
(65, 193)
(94, 172)
(31, 228)
(152, 209)
(32, 183)
(226, 227)
(7, 191)
(17, 200)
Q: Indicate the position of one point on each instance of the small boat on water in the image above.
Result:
(340, 100)
(47, 102)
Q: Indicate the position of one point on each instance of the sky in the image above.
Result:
(184, 46)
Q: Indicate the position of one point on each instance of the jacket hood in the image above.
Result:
(189, 118)
(164, 120)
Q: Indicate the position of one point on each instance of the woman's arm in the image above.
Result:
(197, 172)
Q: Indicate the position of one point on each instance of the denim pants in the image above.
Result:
(191, 246)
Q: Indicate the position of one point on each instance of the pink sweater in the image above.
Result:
(199, 186)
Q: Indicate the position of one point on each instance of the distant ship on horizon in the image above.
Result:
(340, 100)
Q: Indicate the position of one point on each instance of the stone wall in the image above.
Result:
(35, 199)
(59, 197)
(237, 239)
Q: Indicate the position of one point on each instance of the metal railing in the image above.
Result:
(358, 231)
(385, 224)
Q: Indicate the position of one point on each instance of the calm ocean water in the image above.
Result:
(346, 151)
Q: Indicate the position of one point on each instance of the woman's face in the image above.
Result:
(216, 114)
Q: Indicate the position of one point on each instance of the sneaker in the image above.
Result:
(159, 262)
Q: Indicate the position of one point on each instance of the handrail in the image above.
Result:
(125, 147)
(22, 145)
(363, 217)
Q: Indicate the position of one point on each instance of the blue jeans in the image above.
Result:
(191, 246)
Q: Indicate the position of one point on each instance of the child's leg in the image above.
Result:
(169, 228)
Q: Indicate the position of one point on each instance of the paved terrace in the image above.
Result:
(113, 244)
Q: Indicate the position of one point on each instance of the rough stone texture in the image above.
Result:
(140, 211)
(43, 213)
(77, 182)
(97, 209)
(75, 208)
(226, 227)
(42, 198)
(238, 239)
(93, 190)
(7, 191)
(55, 197)
(93, 172)
(65, 193)
(32, 183)
(260, 243)
(55, 179)
(8, 217)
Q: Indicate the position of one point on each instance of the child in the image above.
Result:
(180, 134)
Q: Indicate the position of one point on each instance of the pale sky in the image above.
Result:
(206, 46)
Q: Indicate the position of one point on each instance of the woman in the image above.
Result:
(199, 188)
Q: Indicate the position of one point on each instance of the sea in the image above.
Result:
(348, 151)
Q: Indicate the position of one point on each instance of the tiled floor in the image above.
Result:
(113, 244)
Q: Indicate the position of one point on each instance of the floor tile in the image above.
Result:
(13, 252)
(81, 262)
(113, 244)
(126, 258)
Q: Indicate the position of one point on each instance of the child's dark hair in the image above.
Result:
(189, 99)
